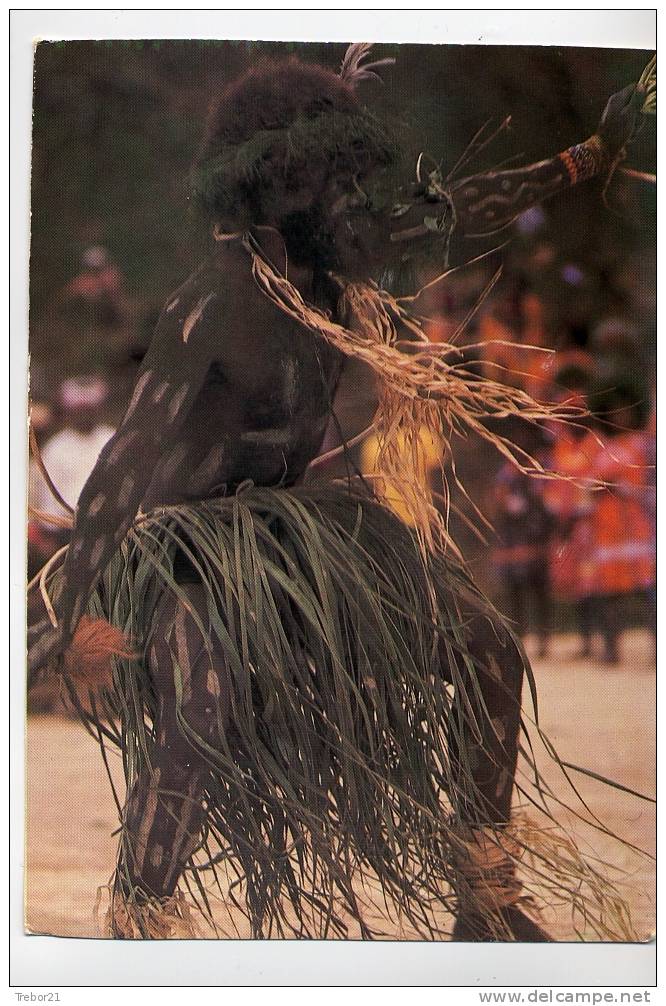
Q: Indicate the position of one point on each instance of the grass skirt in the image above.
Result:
(349, 664)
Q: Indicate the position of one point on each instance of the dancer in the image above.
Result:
(310, 678)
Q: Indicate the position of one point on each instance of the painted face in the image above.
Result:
(386, 230)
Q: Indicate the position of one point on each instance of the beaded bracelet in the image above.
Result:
(584, 160)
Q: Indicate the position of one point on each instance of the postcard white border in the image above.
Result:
(51, 962)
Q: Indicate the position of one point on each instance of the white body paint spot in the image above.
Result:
(120, 446)
(126, 488)
(173, 462)
(499, 729)
(76, 549)
(501, 785)
(138, 392)
(177, 401)
(97, 552)
(213, 683)
(150, 809)
(160, 392)
(195, 316)
(156, 856)
(96, 504)
(494, 669)
(290, 371)
(273, 435)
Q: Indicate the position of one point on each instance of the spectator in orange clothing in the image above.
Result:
(568, 498)
(536, 368)
(515, 345)
(438, 307)
(498, 333)
(621, 542)
(615, 342)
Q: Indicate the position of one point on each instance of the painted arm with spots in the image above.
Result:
(486, 202)
(170, 378)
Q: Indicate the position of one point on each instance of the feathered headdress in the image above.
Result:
(351, 71)
(285, 119)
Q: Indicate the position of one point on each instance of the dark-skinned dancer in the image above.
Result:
(201, 423)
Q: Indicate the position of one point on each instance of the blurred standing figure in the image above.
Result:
(536, 368)
(514, 336)
(94, 296)
(42, 540)
(501, 357)
(69, 457)
(524, 527)
(573, 450)
(615, 342)
(573, 363)
(621, 534)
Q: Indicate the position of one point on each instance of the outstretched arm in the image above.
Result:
(485, 202)
(171, 375)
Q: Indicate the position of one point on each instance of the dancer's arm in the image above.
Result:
(172, 373)
(483, 203)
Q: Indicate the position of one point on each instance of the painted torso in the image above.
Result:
(262, 410)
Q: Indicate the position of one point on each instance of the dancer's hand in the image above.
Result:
(620, 119)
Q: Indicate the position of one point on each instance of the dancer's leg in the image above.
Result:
(164, 813)
(487, 724)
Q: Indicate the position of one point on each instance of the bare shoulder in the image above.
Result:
(207, 289)
(222, 283)
(195, 317)
(220, 316)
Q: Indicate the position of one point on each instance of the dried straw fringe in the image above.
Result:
(485, 864)
(423, 388)
(537, 867)
(555, 873)
(166, 919)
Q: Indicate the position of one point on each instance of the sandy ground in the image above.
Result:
(600, 717)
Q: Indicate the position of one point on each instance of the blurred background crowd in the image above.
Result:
(115, 128)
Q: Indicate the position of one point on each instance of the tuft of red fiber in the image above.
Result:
(88, 658)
